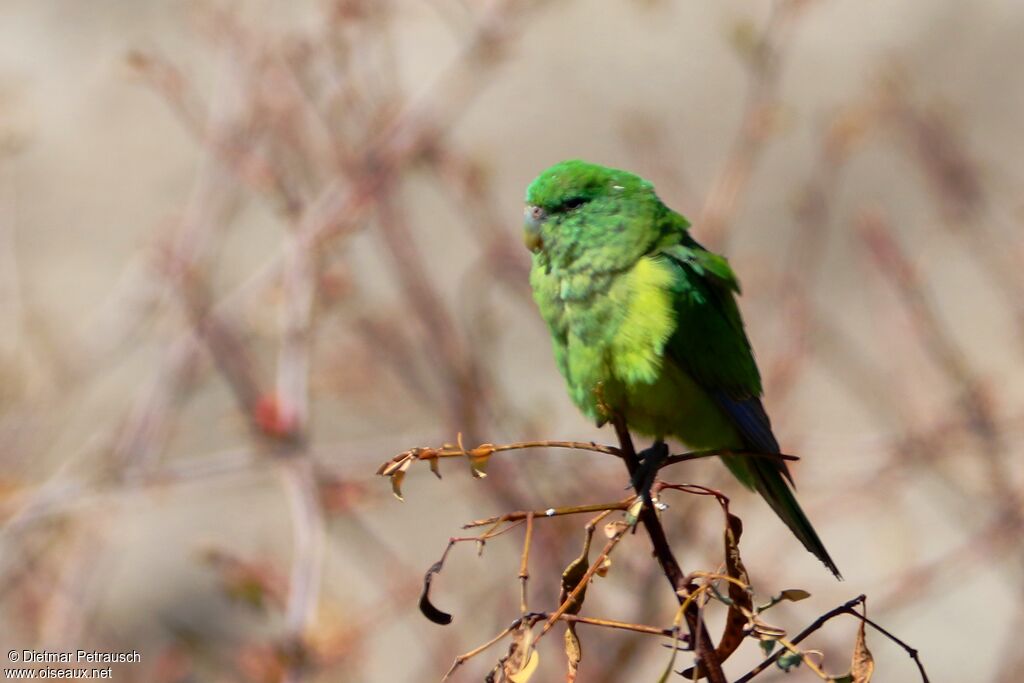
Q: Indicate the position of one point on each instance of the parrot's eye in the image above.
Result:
(572, 203)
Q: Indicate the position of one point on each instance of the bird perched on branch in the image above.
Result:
(645, 325)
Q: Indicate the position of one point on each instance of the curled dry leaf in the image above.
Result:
(396, 468)
(863, 665)
(739, 600)
(522, 660)
(573, 651)
(794, 594)
(790, 594)
(398, 476)
(572, 576)
(426, 606)
(526, 673)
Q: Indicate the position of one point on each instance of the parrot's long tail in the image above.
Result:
(768, 480)
(768, 477)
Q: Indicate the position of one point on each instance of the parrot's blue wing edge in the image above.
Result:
(751, 421)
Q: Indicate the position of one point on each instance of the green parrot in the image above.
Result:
(644, 324)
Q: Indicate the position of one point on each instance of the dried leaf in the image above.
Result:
(739, 600)
(398, 476)
(387, 468)
(791, 594)
(572, 576)
(863, 665)
(396, 468)
(524, 674)
(479, 468)
(520, 655)
(478, 459)
(426, 607)
(573, 651)
(602, 569)
(794, 595)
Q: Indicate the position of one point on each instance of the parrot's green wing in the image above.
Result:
(710, 342)
(711, 345)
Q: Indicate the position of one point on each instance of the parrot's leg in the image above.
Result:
(650, 462)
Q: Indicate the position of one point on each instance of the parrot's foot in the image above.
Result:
(650, 462)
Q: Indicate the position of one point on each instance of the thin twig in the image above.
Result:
(622, 625)
(524, 568)
(845, 608)
(461, 659)
(552, 512)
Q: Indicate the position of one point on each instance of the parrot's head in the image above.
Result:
(583, 213)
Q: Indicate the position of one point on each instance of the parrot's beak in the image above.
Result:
(533, 218)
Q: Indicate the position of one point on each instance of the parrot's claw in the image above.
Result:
(650, 462)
